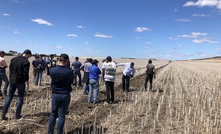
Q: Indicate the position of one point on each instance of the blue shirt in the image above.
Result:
(61, 79)
(76, 65)
(94, 72)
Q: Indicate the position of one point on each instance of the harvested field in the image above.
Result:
(186, 99)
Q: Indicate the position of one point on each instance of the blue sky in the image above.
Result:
(162, 29)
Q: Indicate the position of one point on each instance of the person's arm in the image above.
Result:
(82, 67)
(133, 72)
(98, 70)
(3, 64)
(26, 74)
(121, 64)
(154, 72)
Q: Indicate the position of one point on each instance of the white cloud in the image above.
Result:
(6, 14)
(16, 31)
(59, 47)
(183, 20)
(179, 45)
(43, 22)
(81, 27)
(193, 35)
(202, 40)
(203, 3)
(148, 43)
(200, 15)
(103, 35)
(199, 34)
(185, 36)
(72, 35)
(142, 29)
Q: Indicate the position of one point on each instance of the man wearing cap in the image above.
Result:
(128, 72)
(76, 65)
(19, 78)
(85, 67)
(3, 76)
(94, 72)
(109, 77)
(61, 80)
(51, 63)
(150, 74)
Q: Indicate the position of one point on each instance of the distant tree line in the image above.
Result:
(15, 53)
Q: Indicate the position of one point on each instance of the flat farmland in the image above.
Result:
(186, 99)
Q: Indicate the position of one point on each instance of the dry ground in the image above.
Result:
(186, 99)
(82, 117)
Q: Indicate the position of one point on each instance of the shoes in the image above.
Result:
(4, 118)
(18, 117)
(80, 85)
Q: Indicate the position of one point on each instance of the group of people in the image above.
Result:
(63, 75)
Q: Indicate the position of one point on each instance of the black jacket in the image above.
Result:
(19, 70)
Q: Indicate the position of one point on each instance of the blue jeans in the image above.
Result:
(4, 77)
(93, 86)
(21, 93)
(38, 77)
(86, 88)
(60, 102)
(77, 73)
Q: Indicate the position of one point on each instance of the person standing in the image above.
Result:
(33, 65)
(61, 80)
(76, 65)
(85, 67)
(19, 79)
(3, 76)
(51, 63)
(150, 74)
(40, 66)
(128, 72)
(103, 69)
(94, 72)
(109, 78)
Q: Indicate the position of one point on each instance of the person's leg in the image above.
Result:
(21, 93)
(151, 81)
(123, 82)
(0, 86)
(96, 90)
(91, 84)
(79, 77)
(107, 84)
(86, 88)
(66, 98)
(112, 91)
(146, 80)
(127, 83)
(37, 77)
(8, 100)
(5, 79)
(40, 77)
(55, 103)
(75, 78)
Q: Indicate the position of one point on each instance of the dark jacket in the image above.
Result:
(19, 70)
(61, 79)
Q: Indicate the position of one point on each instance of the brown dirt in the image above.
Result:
(80, 108)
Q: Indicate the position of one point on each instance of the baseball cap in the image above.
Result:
(95, 61)
(109, 58)
(64, 56)
(27, 51)
(2, 52)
